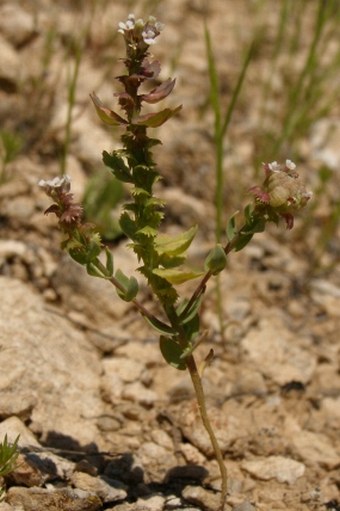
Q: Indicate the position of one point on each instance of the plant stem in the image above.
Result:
(200, 397)
(201, 401)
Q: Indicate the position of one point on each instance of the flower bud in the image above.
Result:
(282, 192)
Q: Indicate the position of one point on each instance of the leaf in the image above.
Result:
(160, 92)
(192, 327)
(186, 315)
(171, 262)
(118, 167)
(128, 225)
(231, 227)
(177, 276)
(248, 212)
(216, 260)
(105, 114)
(109, 262)
(129, 285)
(174, 245)
(139, 192)
(159, 326)
(148, 231)
(94, 271)
(243, 241)
(153, 120)
(8, 455)
(172, 352)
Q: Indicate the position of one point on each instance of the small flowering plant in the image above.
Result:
(162, 258)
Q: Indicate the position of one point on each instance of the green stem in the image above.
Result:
(200, 397)
(201, 401)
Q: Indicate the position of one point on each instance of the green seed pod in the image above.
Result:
(216, 260)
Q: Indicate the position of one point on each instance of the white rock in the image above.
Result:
(6, 507)
(284, 470)
(315, 448)
(45, 354)
(14, 427)
(107, 489)
(128, 370)
(274, 352)
(138, 393)
(153, 503)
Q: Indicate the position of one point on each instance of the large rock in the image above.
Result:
(273, 350)
(44, 355)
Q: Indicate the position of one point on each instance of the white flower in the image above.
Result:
(129, 24)
(290, 165)
(57, 183)
(274, 166)
(149, 36)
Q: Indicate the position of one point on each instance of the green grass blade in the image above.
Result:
(238, 88)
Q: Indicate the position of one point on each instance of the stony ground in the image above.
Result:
(104, 424)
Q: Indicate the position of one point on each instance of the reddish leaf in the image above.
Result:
(105, 114)
(156, 119)
(160, 92)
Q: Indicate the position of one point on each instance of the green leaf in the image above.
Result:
(243, 241)
(171, 262)
(231, 227)
(128, 225)
(129, 285)
(190, 349)
(174, 245)
(186, 315)
(94, 271)
(84, 254)
(172, 352)
(117, 165)
(140, 192)
(192, 327)
(148, 231)
(159, 326)
(153, 120)
(8, 455)
(248, 213)
(177, 276)
(216, 260)
(109, 262)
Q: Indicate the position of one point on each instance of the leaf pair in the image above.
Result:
(171, 251)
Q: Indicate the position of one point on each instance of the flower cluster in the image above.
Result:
(282, 192)
(69, 213)
(140, 68)
(137, 32)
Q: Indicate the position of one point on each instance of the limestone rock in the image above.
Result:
(275, 353)
(285, 470)
(107, 489)
(46, 356)
(315, 448)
